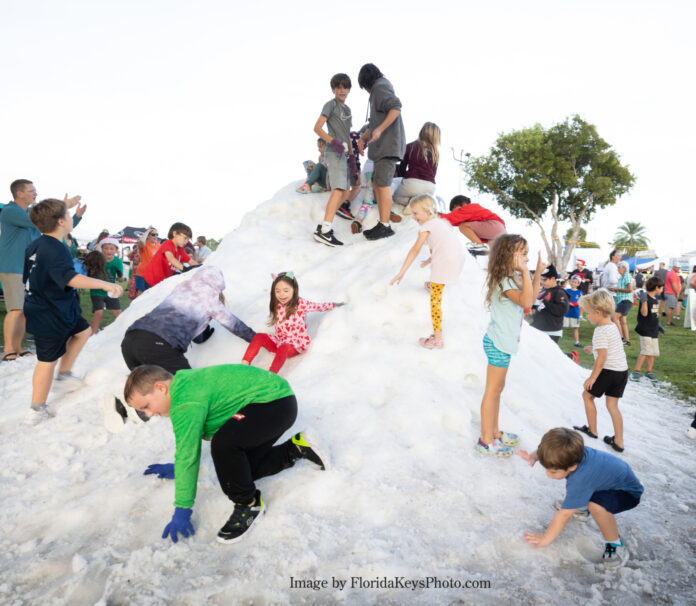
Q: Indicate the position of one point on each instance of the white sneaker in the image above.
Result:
(34, 416)
(691, 433)
(615, 555)
(115, 416)
(67, 381)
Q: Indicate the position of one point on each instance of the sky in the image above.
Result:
(156, 112)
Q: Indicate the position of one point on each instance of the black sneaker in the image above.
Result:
(241, 521)
(308, 450)
(378, 232)
(344, 211)
(327, 238)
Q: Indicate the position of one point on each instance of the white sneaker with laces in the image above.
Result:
(35, 415)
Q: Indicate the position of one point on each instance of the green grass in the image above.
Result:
(675, 365)
(85, 303)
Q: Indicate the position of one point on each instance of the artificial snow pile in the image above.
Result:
(406, 497)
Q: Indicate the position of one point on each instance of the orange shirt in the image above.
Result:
(146, 255)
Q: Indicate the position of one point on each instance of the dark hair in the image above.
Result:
(46, 214)
(616, 251)
(180, 228)
(18, 186)
(369, 74)
(95, 265)
(654, 283)
(560, 448)
(290, 308)
(341, 80)
(143, 378)
(459, 201)
(202, 240)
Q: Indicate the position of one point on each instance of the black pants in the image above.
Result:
(243, 449)
(142, 347)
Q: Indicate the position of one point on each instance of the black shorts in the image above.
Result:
(623, 307)
(49, 349)
(615, 501)
(142, 347)
(100, 302)
(611, 383)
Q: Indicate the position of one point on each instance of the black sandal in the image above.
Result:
(7, 358)
(586, 430)
(610, 440)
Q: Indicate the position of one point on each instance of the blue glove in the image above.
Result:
(163, 470)
(181, 522)
(338, 146)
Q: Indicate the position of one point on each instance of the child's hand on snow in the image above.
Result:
(535, 538)
(530, 457)
(396, 280)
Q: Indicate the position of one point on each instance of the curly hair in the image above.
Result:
(501, 262)
(95, 265)
(291, 306)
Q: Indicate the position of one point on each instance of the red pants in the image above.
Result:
(282, 352)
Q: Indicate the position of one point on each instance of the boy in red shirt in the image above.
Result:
(171, 255)
(478, 224)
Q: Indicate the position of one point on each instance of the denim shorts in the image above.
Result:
(495, 357)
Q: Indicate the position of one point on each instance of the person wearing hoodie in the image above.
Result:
(552, 305)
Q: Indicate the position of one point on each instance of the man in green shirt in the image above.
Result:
(243, 411)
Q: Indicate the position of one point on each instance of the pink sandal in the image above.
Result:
(430, 342)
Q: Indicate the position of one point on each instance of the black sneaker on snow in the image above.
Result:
(378, 232)
(241, 521)
(307, 450)
(327, 238)
(344, 211)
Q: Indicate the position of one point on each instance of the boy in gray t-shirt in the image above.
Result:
(337, 117)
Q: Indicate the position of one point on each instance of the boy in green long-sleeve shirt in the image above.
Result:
(243, 411)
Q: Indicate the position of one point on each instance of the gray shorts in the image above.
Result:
(671, 300)
(337, 167)
(13, 287)
(383, 173)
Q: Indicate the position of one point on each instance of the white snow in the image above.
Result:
(406, 496)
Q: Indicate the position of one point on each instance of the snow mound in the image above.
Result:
(406, 498)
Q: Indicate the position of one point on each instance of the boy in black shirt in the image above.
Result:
(552, 305)
(51, 305)
(648, 328)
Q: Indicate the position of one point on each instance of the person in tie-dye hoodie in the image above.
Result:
(162, 336)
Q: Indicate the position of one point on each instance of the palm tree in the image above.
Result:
(631, 235)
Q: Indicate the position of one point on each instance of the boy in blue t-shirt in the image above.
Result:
(51, 306)
(572, 317)
(603, 483)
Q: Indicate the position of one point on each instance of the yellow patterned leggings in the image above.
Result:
(436, 305)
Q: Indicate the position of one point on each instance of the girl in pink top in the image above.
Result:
(446, 261)
(288, 311)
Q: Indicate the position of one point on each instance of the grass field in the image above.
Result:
(676, 364)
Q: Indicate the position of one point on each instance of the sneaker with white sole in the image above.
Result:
(309, 450)
(36, 414)
(691, 433)
(115, 414)
(651, 376)
(478, 250)
(327, 238)
(378, 232)
(67, 381)
(241, 521)
(635, 375)
(495, 449)
(615, 554)
(582, 514)
(344, 211)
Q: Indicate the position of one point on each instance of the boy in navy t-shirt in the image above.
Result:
(51, 305)
(572, 317)
(603, 483)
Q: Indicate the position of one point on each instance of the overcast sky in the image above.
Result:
(163, 111)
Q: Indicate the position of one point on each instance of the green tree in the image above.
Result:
(631, 235)
(213, 243)
(581, 240)
(563, 173)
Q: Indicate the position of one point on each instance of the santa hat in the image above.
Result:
(580, 261)
(109, 240)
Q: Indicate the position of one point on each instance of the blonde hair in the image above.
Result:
(429, 141)
(501, 262)
(600, 300)
(426, 202)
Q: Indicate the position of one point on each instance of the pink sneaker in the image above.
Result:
(431, 342)
(304, 189)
